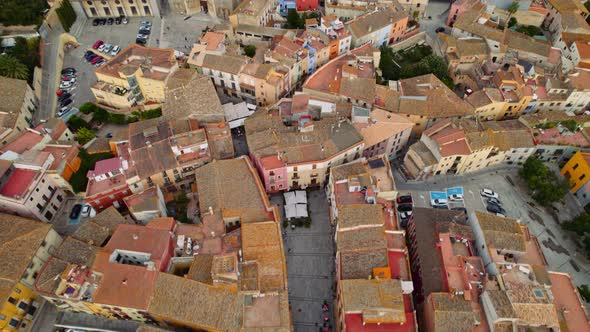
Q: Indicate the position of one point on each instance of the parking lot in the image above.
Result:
(558, 246)
(172, 31)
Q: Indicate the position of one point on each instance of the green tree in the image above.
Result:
(75, 123)
(11, 67)
(545, 185)
(100, 115)
(571, 125)
(250, 50)
(294, 21)
(84, 135)
(88, 108)
(22, 12)
(66, 14)
(513, 8)
(579, 225)
(512, 22)
(530, 30)
(389, 70)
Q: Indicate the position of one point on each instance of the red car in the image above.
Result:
(97, 44)
(95, 60)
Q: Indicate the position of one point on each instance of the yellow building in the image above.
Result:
(24, 249)
(577, 171)
(137, 75)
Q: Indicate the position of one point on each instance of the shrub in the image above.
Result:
(66, 15)
(88, 108)
(22, 12)
(84, 135)
(250, 50)
(76, 123)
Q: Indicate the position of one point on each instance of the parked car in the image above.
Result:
(109, 135)
(438, 201)
(64, 96)
(63, 110)
(100, 62)
(488, 193)
(65, 85)
(118, 20)
(69, 70)
(86, 210)
(404, 217)
(66, 102)
(404, 199)
(68, 79)
(97, 44)
(456, 197)
(404, 207)
(495, 209)
(102, 21)
(146, 33)
(110, 21)
(145, 23)
(95, 60)
(108, 49)
(124, 20)
(115, 50)
(440, 29)
(95, 22)
(91, 57)
(102, 47)
(140, 41)
(76, 211)
(494, 201)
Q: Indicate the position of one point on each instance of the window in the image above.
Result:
(582, 177)
(39, 207)
(14, 322)
(12, 300)
(48, 215)
(575, 166)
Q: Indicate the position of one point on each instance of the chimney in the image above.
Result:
(124, 282)
(135, 236)
(210, 210)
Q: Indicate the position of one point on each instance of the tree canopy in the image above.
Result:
(250, 50)
(513, 7)
(545, 185)
(22, 12)
(84, 135)
(11, 67)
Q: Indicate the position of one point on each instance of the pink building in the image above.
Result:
(459, 7)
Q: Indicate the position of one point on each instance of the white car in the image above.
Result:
(63, 110)
(115, 50)
(488, 193)
(145, 23)
(86, 210)
(65, 85)
(456, 197)
(102, 47)
(438, 201)
(69, 80)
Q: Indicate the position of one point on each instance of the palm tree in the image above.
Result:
(11, 67)
(513, 8)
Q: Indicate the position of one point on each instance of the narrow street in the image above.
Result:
(49, 80)
(310, 265)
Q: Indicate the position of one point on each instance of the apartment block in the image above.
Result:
(116, 8)
(146, 205)
(154, 153)
(340, 37)
(294, 147)
(18, 103)
(163, 273)
(567, 22)
(369, 243)
(577, 172)
(424, 100)
(135, 76)
(382, 26)
(447, 273)
(384, 133)
(456, 147)
(26, 247)
(253, 12)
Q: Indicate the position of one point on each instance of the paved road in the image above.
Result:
(310, 264)
(48, 81)
(557, 245)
